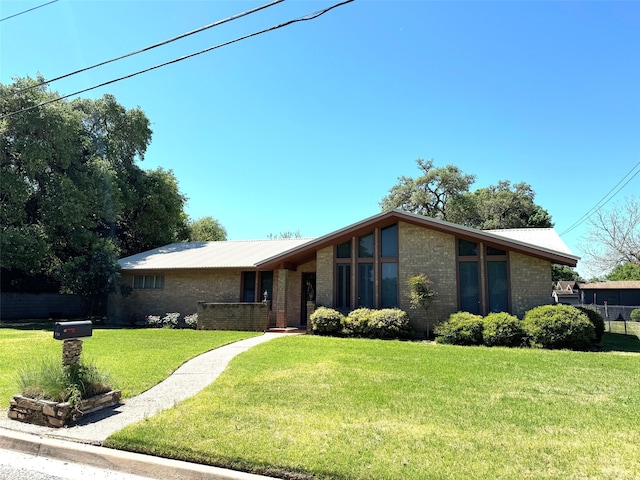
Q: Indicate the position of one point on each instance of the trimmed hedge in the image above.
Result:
(462, 328)
(326, 321)
(558, 327)
(635, 315)
(502, 330)
(387, 323)
(596, 319)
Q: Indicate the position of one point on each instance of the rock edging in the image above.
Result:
(58, 414)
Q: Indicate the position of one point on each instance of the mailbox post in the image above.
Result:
(70, 334)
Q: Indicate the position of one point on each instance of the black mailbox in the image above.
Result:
(66, 330)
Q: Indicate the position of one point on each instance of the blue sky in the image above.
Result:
(308, 127)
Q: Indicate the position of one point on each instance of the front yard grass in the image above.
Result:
(315, 407)
(136, 359)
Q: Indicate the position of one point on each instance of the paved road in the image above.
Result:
(21, 466)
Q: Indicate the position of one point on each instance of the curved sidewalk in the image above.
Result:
(186, 381)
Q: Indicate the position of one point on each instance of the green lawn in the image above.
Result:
(136, 359)
(307, 406)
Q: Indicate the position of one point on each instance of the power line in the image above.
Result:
(151, 47)
(28, 10)
(604, 200)
(310, 16)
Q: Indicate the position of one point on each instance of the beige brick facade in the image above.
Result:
(432, 253)
(530, 283)
(424, 246)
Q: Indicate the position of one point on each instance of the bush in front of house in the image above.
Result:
(635, 315)
(326, 321)
(461, 328)
(357, 322)
(502, 330)
(558, 327)
(389, 323)
(596, 320)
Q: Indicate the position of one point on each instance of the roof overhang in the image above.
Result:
(307, 252)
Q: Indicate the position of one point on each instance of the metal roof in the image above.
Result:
(543, 242)
(546, 238)
(226, 254)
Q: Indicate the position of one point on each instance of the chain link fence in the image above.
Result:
(617, 318)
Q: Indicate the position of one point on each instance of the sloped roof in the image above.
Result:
(228, 254)
(619, 285)
(541, 237)
(271, 254)
(543, 243)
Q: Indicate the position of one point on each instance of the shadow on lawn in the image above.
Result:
(45, 325)
(617, 342)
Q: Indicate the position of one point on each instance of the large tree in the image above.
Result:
(207, 229)
(431, 193)
(69, 181)
(445, 193)
(613, 237)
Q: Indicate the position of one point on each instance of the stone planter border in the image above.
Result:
(54, 414)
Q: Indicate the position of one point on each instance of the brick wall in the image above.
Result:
(252, 317)
(182, 291)
(324, 277)
(432, 253)
(530, 283)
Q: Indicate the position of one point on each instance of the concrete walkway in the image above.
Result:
(185, 382)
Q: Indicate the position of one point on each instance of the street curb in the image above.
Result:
(118, 460)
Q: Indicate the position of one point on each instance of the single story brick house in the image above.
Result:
(364, 264)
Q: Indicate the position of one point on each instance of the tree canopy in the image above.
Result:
(72, 196)
(207, 229)
(444, 193)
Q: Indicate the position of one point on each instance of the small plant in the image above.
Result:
(596, 319)
(153, 321)
(71, 383)
(191, 320)
(558, 327)
(326, 321)
(421, 295)
(635, 315)
(461, 328)
(502, 330)
(170, 320)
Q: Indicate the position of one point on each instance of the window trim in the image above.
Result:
(158, 281)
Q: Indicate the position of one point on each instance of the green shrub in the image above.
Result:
(635, 315)
(357, 323)
(389, 323)
(326, 321)
(558, 327)
(461, 328)
(597, 321)
(502, 330)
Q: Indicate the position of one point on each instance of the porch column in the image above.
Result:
(281, 298)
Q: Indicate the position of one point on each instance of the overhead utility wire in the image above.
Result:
(276, 27)
(151, 47)
(28, 10)
(602, 201)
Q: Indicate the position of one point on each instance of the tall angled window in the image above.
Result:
(468, 276)
(343, 286)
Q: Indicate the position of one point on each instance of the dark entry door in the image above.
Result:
(308, 294)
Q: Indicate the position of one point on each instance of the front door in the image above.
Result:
(308, 294)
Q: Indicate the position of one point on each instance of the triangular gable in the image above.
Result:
(498, 238)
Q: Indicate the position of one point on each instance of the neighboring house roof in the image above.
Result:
(287, 253)
(226, 254)
(566, 286)
(548, 244)
(620, 285)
